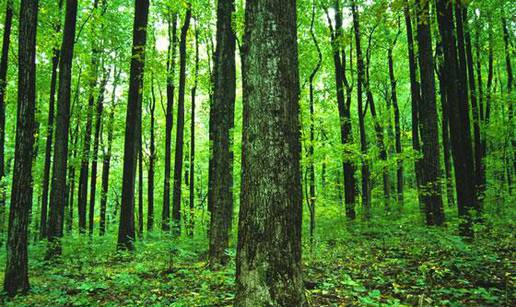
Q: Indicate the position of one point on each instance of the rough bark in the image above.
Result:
(269, 236)
(459, 119)
(431, 186)
(126, 231)
(16, 270)
(171, 59)
(178, 161)
(59, 185)
(222, 115)
(366, 185)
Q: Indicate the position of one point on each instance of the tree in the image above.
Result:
(171, 58)
(3, 84)
(59, 187)
(16, 271)
(459, 119)
(152, 159)
(366, 185)
(126, 229)
(431, 187)
(192, 137)
(222, 116)
(269, 230)
(178, 161)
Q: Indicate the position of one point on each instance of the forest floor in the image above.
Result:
(388, 261)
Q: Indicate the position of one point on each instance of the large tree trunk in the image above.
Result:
(366, 184)
(59, 187)
(431, 196)
(178, 161)
(222, 116)
(171, 59)
(3, 84)
(415, 95)
(126, 229)
(459, 119)
(106, 162)
(269, 230)
(16, 271)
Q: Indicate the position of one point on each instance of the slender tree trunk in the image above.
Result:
(178, 162)
(429, 129)
(126, 231)
(269, 230)
(192, 138)
(140, 183)
(106, 163)
(482, 167)
(16, 271)
(366, 185)
(3, 84)
(59, 187)
(415, 94)
(508, 67)
(222, 115)
(152, 158)
(171, 59)
(311, 199)
(459, 119)
(397, 127)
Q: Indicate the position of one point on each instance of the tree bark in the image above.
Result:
(192, 138)
(59, 187)
(126, 231)
(16, 271)
(152, 159)
(269, 236)
(171, 59)
(222, 116)
(508, 67)
(4, 60)
(178, 162)
(431, 186)
(366, 185)
(459, 119)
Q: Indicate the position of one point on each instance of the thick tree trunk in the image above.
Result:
(222, 115)
(431, 186)
(126, 229)
(59, 187)
(415, 94)
(366, 185)
(459, 119)
(152, 159)
(171, 59)
(16, 270)
(3, 84)
(178, 161)
(269, 231)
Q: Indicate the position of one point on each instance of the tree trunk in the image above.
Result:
(459, 119)
(366, 185)
(269, 230)
(508, 67)
(126, 230)
(16, 270)
(431, 186)
(415, 94)
(482, 171)
(140, 183)
(106, 163)
(3, 84)
(178, 162)
(222, 115)
(152, 158)
(192, 138)
(59, 187)
(171, 59)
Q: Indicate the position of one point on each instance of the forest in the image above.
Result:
(257, 153)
